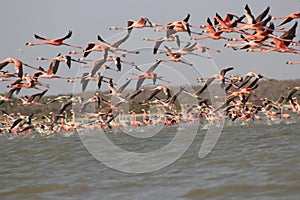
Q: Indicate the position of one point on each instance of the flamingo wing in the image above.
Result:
(140, 83)
(153, 67)
(67, 36)
(3, 64)
(39, 37)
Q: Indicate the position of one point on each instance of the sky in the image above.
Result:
(20, 20)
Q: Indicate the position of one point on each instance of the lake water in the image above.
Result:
(248, 162)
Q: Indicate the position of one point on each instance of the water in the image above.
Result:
(248, 162)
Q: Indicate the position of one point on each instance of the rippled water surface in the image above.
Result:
(248, 162)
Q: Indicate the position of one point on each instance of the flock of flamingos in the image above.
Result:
(262, 33)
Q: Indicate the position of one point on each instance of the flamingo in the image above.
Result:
(287, 36)
(8, 96)
(174, 57)
(220, 77)
(30, 83)
(114, 91)
(133, 121)
(252, 44)
(60, 58)
(213, 34)
(33, 99)
(226, 24)
(94, 99)
(158, 42)
(17, 64)
(288, 18)
(6, 74)
(149, 74)
(284, 115)
(178, 26)
(146, 121)
(255, 23)
(188, 50)
(159, 88)
(54, 42)
(141, 23)
(292, 63)
(169, 102)
(86, 77)
(292, 92)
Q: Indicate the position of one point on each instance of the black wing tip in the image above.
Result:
(208, 21)
(186, 19)
(217, 15)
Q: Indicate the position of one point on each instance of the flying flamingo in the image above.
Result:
(54, 42)
(226, 24)
(159, 41)
(174, 57)
(17, 65)
(249, 44)
(219, 77)
(149, 74)
(7, 97)
(141, 23)
(33, 99)
(292, 92)
(159, 88)
(6, 74)
(86, 77)
(19, 84)
(178, 26)
(287, 18)
(213, 33)
(60, 58)
(188, 50)
(94, 99)
(288, 36)
(49, 74)
(255, 23)
(292, 63)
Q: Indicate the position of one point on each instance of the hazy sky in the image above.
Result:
(87, 19)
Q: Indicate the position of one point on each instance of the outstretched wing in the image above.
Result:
(187, 27)
(39, 37)
(291, 93)
(123, 86)
(289, 34)
(153, 67)
(225, 70)
(285, 21)
(156, 46)
(186, 19)
(64, 107)
(140, 83)
(3, 64)
(209, 26)
(101, 40)
(249, 15)
(260, 17)
(84, 81)
(153, 94)
(67, 36)
(207, 83)
(121, 41)
(87, 49)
